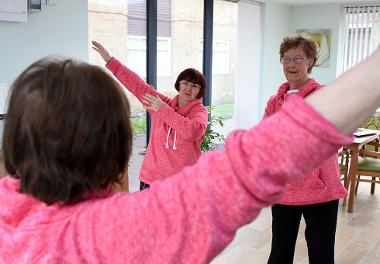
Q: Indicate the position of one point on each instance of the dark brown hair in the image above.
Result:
(308, 46)
(67, 131)
(194, 76)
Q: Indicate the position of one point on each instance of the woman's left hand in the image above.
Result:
(151, 102)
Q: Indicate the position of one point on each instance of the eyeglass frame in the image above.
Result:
(294, 60)
(193, 86)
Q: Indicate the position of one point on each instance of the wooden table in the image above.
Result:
(354, 151)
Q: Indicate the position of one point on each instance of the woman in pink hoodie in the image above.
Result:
(178, 124)
(315, 197)
(67, 139)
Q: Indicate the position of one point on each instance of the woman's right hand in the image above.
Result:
(101, 50)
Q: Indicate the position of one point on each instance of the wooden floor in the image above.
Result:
(357, 238)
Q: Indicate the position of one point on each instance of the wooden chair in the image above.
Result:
(355, 148)
(369, 165)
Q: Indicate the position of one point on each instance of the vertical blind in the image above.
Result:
(361, 33)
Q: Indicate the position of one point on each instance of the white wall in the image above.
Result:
(59, 29)
(259, 72)
(248, 67)
(320, 17)
(276, 25)
(280, 20)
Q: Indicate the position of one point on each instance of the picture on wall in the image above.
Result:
(322, 38)
(34, 5)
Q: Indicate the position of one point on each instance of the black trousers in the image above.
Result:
(320, 231)
(144, 185)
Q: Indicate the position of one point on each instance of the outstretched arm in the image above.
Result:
(353, 97)
(137, 86)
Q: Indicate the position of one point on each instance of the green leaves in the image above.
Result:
(211, 137)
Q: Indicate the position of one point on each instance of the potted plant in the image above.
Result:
(212, 138)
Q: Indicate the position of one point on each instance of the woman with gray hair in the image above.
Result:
(315, 197)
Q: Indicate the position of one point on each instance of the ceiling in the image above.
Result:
(313, 2)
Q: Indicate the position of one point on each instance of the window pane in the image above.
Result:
(179, 29)
(120, 26)
(361, 29)
(223, 62)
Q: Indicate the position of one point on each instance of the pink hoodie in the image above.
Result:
(189, 218)
(176, 133)
(321, 185)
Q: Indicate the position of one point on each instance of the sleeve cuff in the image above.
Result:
(112, 63)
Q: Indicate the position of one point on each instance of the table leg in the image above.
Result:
(352, 176)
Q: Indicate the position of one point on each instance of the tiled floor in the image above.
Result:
(357, 238)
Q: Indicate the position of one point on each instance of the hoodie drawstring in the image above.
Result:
(175, 139)
(167, 138)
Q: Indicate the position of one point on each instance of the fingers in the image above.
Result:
(96, 44)
(150, 102)
(98, 47)
(101, 50)
(145, 102)
(149, 97)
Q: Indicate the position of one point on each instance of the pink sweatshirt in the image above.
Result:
(189, 218)
(176, 133)
(322, 184)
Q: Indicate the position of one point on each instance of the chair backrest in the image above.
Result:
(371, 149)
(372, 123)
(344, 157)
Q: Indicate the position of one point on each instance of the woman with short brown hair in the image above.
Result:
(178, 124)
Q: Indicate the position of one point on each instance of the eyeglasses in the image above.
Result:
(296, 60)
(191, 85)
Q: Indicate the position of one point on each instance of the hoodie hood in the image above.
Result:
(20, 210)
(304, 91)
(173, 103)
(15, 207)
(310, 86)
(275, 102)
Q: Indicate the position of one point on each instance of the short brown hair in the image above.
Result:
(67, 131)
(308, 46)
(194, 76)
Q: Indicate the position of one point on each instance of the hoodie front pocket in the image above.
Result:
(312, 182)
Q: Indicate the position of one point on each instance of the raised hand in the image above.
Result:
(151, 102)
(101, 50)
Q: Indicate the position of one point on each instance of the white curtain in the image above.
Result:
(361, 33)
